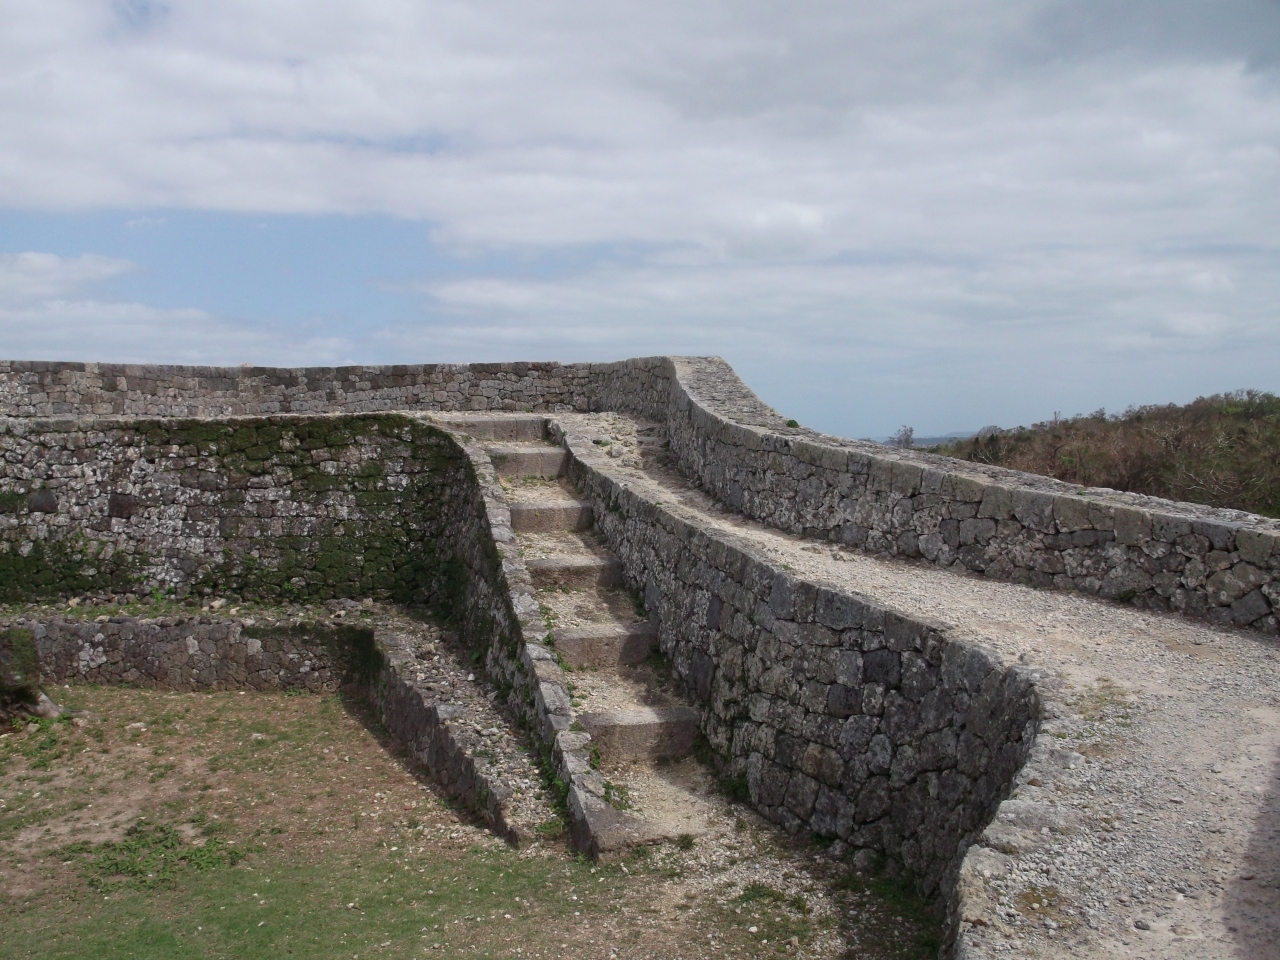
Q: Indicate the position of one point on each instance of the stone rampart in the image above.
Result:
(301, 508)
(42, 389)
(1190, 559)
(1223, 565)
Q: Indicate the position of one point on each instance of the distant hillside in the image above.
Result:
(1222, 450)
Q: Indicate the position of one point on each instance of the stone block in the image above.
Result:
(1252, 606)
(1132, 526)
(801, 794)
(1034, 509)
(1256, 546)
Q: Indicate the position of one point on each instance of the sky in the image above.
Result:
(931, 213)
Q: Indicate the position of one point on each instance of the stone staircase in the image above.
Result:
(642, 733)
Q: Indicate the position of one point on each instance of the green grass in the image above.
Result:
(262, 825)
(331, 909)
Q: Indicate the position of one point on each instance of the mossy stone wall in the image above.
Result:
(277, 508)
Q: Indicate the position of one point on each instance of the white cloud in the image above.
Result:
(996, 182)
(57, 308)
(30, 277)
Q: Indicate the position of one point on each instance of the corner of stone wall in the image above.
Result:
(1027, 824)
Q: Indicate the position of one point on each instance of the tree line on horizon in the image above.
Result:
(1223, 450)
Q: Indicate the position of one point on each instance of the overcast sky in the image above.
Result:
(933, 213)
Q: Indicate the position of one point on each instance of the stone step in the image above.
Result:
(549, 517)
(605, 644)
(500, 428)
(575, 570)
(643, 732)
(529, 461)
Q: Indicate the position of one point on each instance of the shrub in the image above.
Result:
(1223, 450)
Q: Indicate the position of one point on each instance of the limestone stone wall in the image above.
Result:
(299, 508)
(191, 653)
(846, 718)
(1194, 560)
(277, 508)
(497, 613)
(438, 730)
(40, 389)
(1220, 564)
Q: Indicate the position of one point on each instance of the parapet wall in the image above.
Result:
(40, 389)
(1189, 559)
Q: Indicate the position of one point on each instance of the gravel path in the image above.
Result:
(1161, 826)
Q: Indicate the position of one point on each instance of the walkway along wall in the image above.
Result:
(1190, 559)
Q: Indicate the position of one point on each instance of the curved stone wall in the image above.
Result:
(1190, 559)
(844, 717)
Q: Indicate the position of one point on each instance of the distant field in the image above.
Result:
(256, 825)
(1222, 450)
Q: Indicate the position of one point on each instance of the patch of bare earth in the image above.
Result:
(342, 850)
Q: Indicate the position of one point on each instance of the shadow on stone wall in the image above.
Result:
(1252, 901)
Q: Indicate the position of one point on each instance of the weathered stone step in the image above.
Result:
(500, 428)
(549, 517)
(576, 570)
(642, 732)
(605, 644)
(529, 461)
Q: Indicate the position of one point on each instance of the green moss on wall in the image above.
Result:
(19, 665)
(63, 568)
(352, 646)
(356, 506)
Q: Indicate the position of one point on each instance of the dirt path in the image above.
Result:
(1167, 832)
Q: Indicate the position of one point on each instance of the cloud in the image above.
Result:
(26, 278)
(947, 190)
(59, 308)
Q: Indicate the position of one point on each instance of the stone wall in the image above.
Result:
(194, 653)
(414, 702)
(299, 508)
(1190, 559)
(40, 389)
(1198, 561)
(497, 612)
(846, 718)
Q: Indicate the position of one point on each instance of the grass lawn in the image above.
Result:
(267, 825)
